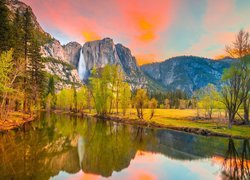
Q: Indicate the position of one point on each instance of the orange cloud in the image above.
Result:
(146, 58)
(90, 36)
(146, 28)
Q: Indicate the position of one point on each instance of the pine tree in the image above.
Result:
(27, 27)
(36, 73)
(18, 37)
(5, 27)
(51, 93)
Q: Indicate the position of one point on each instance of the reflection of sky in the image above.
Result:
(157, 166)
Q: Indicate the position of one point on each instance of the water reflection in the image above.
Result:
(59, 145)
(236, 164)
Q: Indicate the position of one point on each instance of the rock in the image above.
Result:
(72, 53)
(55, 50)
(66, 73)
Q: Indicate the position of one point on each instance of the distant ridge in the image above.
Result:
(187, 73)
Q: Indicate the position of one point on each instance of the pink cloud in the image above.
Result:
(219, 23)
(137, 23)
(219, 14)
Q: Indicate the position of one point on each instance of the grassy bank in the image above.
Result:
(15, 120)
(184, 120)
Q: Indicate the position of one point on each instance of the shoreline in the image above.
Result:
(152, 124)
(191, 130)
(24, 119)
(15, 121)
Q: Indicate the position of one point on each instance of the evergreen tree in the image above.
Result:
(18, 37)
(18, 50)
(50, 95)
(36, 73)
(51, 86)
(5, 27)
(27, 26)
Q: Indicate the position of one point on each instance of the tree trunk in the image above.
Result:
(138, 112)
(210, 114)
(225, 113)
(141, 113)
(230, 119)
(246, 111)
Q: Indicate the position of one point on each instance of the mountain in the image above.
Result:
(187, 73)
(102, 52)
(60, 61)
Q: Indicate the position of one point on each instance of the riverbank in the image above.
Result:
(15, 120)
(175, 119)
(182, 120)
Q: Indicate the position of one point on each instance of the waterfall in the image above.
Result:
(82, 69)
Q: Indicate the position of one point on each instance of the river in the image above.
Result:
(68, 147)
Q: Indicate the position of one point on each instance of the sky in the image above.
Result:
(154, 30)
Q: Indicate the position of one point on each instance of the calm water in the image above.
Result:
(64, 147)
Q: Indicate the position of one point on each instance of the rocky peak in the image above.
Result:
(72, 52)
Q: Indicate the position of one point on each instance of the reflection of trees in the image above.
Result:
(107, 149)
(236, 165)
(139, 134)
(39, 154)
(61, 143)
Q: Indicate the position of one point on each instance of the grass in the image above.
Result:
(185, 118)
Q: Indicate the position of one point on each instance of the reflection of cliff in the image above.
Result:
(68, 144)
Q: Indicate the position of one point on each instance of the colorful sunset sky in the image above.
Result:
(154, 30)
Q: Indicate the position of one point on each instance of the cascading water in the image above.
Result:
(82, 68)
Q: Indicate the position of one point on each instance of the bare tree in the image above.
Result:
(232, 96)
(240, 49)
